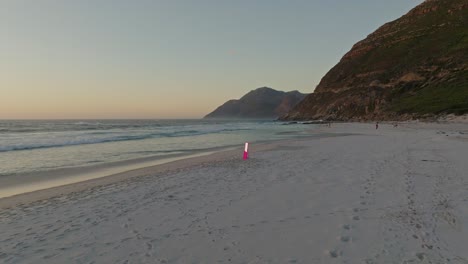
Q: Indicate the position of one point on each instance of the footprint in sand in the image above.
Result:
(345, 239)
(369, 261)
(149, 246)
(421, 256)
(125, 239)
(335, 253)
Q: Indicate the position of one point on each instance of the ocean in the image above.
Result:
(30, 147)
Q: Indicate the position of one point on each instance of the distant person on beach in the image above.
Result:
(376, 125)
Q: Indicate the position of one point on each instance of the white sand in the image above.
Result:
(395, 195)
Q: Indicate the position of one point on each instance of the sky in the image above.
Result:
(91, 59)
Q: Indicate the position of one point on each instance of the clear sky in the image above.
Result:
(170, 58)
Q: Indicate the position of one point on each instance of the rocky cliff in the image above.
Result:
(260, 103)
(412, 67)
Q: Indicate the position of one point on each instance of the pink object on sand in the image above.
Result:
(246, 151)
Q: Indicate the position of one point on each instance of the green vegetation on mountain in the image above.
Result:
(449, 97)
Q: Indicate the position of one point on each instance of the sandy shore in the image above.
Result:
(393, 195)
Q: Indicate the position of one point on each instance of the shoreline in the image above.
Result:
(66, 180)
(64, 176)
(82, 178)
(46, 189)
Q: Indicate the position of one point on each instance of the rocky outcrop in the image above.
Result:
(414, 66)
(260, 103)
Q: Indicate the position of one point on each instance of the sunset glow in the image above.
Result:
(168, 59)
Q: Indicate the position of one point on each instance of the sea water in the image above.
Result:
(29, 147)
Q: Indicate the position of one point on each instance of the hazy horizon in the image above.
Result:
(169, 59)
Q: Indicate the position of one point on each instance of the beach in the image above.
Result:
(353, 195)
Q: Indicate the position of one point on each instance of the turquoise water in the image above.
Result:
(37, 146)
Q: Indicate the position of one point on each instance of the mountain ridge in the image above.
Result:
(263, 102)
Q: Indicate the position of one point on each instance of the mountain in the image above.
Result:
(260, 103)
(415, 66)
